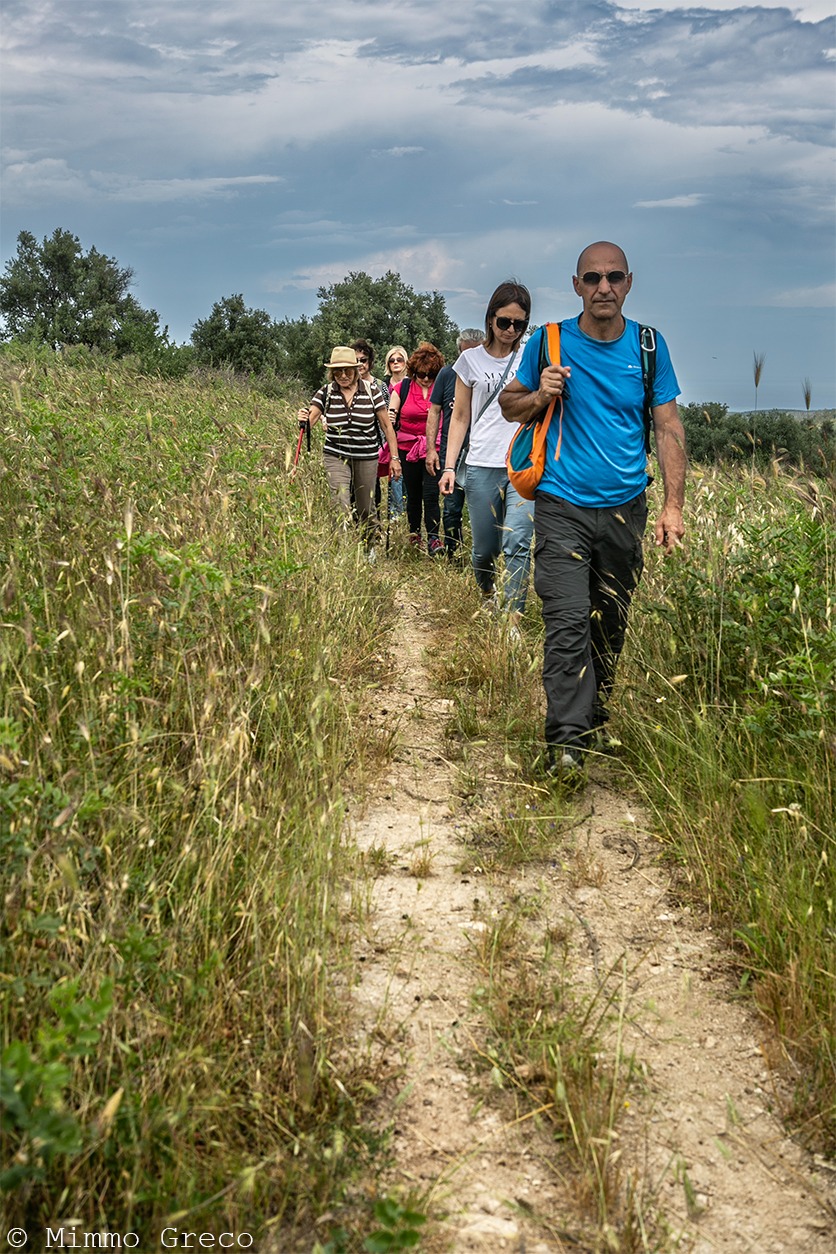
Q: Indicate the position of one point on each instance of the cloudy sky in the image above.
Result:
(267, 148)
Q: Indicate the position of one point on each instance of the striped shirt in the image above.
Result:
(352, 432)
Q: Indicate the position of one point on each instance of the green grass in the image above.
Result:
(730, 725)
(186, 654)
(562, 1058)
(554, 1054)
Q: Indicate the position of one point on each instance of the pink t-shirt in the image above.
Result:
(412, 416)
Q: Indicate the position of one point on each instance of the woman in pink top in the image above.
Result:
(409, 404)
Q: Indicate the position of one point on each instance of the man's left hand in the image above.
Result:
(670, 529)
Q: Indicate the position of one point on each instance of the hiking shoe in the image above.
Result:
(435, 547)
(564, 763)
(415, 539)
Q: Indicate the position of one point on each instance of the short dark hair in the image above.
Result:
(511, 292)
(363, 346)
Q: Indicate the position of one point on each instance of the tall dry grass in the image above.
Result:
(730, 723)
(183, 648)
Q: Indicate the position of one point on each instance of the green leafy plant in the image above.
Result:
(399, 1227)
(37, 1125)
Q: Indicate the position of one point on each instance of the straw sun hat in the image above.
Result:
(341, 356)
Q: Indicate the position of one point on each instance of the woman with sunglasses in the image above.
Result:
(409, 404)
(394, 367)
(351, 410)
(501, 521)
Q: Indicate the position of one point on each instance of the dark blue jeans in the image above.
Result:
(451, 518)
(587, 564)
(452, 505)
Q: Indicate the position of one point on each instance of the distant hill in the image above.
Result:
(818, 415)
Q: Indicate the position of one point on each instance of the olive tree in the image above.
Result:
(53, 292)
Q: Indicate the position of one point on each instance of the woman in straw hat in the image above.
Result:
(353, 411)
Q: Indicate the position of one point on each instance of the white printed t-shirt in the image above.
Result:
(490, 434)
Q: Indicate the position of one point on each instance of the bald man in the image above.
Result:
(590, 510)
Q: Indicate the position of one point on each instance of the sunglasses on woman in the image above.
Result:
(519, 324)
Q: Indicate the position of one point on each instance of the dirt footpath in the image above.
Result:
(699, 1129)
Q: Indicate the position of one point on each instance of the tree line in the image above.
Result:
(54, 293)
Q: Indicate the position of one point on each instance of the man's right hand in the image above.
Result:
(553, 380)
(431, 461)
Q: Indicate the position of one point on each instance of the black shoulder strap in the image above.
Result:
(647, 343)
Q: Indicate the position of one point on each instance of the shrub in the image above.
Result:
(714, 436)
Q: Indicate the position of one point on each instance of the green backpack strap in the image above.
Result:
(647, 343)
(544, 359)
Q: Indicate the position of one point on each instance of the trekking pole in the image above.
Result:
(304, 429)
(388, 513)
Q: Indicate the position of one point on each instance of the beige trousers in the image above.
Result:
(343, 474)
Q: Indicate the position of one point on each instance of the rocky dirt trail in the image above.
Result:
(700, 1129)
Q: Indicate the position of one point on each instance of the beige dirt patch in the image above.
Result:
(701, 1128)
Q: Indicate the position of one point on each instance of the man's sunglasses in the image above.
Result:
(519, 324)
(614, 277)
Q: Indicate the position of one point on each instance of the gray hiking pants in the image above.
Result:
(587, 563)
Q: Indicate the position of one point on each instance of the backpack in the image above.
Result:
(647, 344)
(526, 459)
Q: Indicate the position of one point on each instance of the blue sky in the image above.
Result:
(267, 148)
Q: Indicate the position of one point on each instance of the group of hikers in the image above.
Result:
(444, 431)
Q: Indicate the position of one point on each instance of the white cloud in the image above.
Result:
(426, 266)
(689, 201)
(821, 297)
(805, 11)
(25, 181)
(160, 191)
(404, 151)
(28, 182)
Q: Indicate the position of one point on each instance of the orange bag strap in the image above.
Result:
(552, 337)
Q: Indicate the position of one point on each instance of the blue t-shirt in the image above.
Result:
(602, 458)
